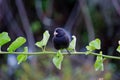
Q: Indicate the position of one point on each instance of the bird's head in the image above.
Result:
(59, 32)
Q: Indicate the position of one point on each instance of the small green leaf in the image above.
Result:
(22, 57)
(72, 44)
(16, 44)
(39, 44)
(46, 36)
(4, 38)
(57, 60)
(99, 63)
(118, 49)
(95, 43)
(90, 48)
(44, 41)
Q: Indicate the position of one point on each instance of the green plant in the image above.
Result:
(59, 55)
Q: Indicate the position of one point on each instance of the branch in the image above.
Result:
(48, 52)
(88, 21)
(26, 24)
(72, 17)
(48, 22)
(10, 20)
(116, 6)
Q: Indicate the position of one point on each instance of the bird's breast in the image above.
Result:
(61, 42)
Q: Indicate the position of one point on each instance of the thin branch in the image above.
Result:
(88, 21)
(49, 9)
(72, 17)
(105, 11)
(9, 19)
(48, 22)
(116, 6)
(26, 24)
(48, 52)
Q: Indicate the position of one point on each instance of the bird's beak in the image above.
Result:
(55, 33)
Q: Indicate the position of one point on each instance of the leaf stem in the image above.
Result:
(0, 48)
(64, 53)
(44, 47)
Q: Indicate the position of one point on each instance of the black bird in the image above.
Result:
(61, 39)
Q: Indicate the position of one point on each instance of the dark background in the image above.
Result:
(86, 19)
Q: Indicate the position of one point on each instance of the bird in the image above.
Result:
(61, 39)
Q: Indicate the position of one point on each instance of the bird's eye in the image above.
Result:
(59, 30)
(56, 30)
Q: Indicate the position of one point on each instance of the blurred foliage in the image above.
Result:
(46, 71)
(36, 26)
(44, 4)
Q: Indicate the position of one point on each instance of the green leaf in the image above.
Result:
(22, 57)
(46, 36)
(72, 44)
(39, 44)
(16, 44)
(99, 63)
(57, 60)
(95, 43)
(44, 41)
(4, 38)
(118, 49)
(90, 48)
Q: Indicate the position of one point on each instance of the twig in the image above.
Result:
(72, 17)
(88, 21)
(116, 5)
(48, 22)
(9, 19)
(26, 24)
(50, 52)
